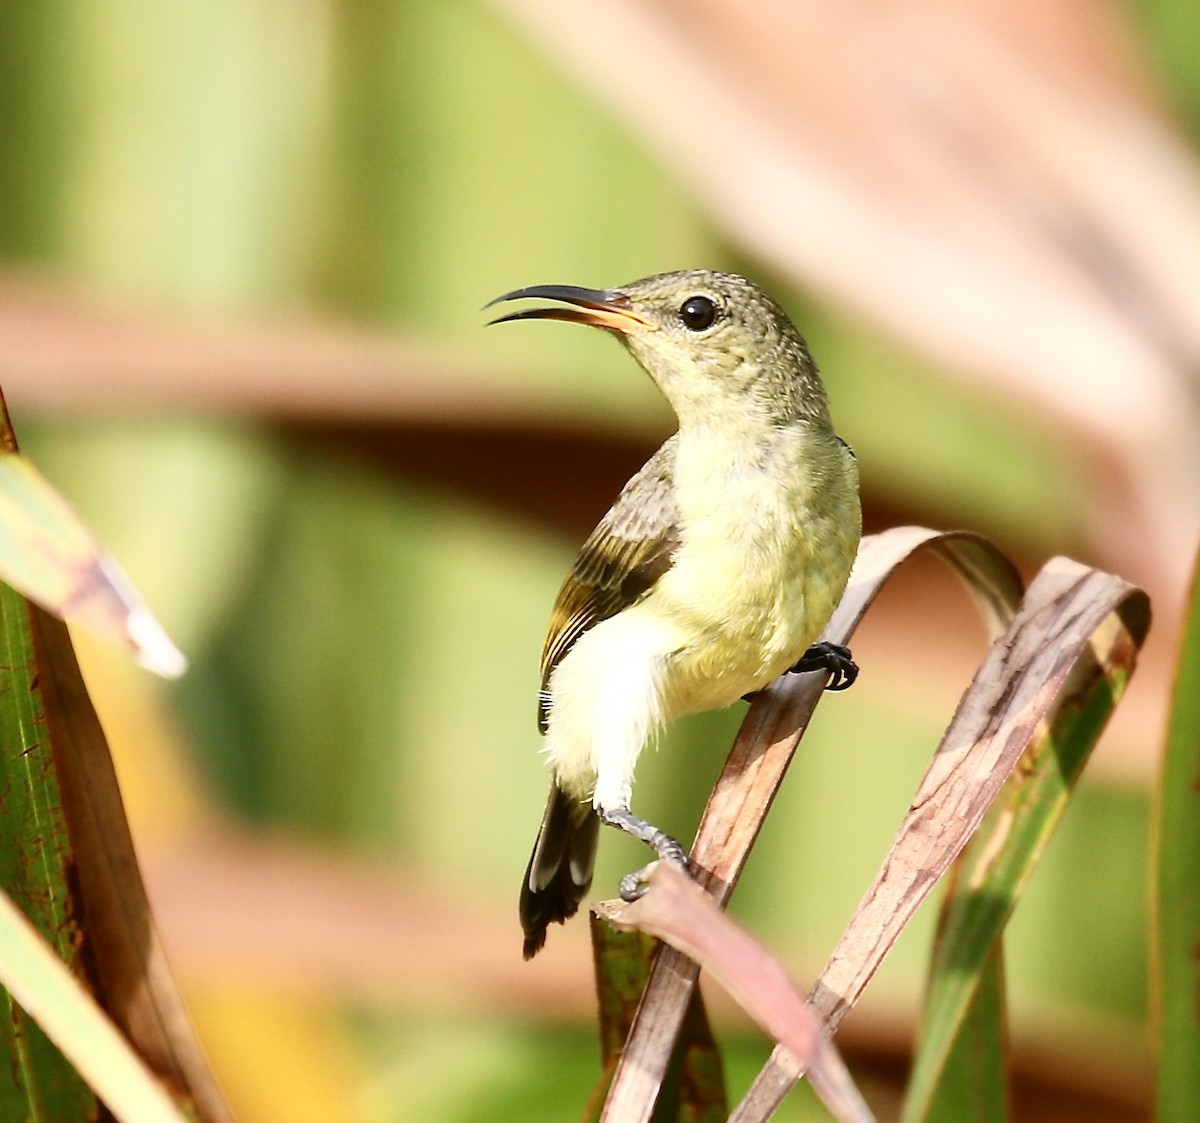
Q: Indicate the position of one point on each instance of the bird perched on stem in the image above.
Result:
(715, 571)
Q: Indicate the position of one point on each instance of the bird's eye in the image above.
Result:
(697, 313)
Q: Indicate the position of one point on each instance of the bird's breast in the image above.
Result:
(768, 536)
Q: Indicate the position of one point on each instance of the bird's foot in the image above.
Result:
(831, 657)
(668, 849)
(634, 885)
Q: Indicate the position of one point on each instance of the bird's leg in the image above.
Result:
(666, 847)
(831, 657)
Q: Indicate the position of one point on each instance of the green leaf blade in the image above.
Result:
(1176, 935)
(36, 871)
(974, 1088)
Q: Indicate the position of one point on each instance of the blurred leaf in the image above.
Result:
(48, 554)
(33, 62)
(38, 979)
(282, 1053)
(63, 348)
(1176, 935)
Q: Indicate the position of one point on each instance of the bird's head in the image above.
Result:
(714, 343)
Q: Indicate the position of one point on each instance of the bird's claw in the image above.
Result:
(634, 885)
(831, 657)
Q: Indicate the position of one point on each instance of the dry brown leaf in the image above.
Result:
(752, 774)
(680, 913)
(1071, 616)
(1068, 610)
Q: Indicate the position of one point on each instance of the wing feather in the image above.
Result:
(630, 549)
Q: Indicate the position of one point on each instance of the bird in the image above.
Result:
(714, 572)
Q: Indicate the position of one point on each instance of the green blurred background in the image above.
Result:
(335, 806)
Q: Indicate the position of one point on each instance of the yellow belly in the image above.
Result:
(748, 611)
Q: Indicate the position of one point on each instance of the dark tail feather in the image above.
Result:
(560, 867)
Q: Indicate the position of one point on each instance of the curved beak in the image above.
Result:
(598, 308)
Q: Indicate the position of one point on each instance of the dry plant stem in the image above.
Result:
(680, 913)
(1008, 707)
(752, 774)
(137, 988)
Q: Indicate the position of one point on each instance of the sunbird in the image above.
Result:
(715, 571)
